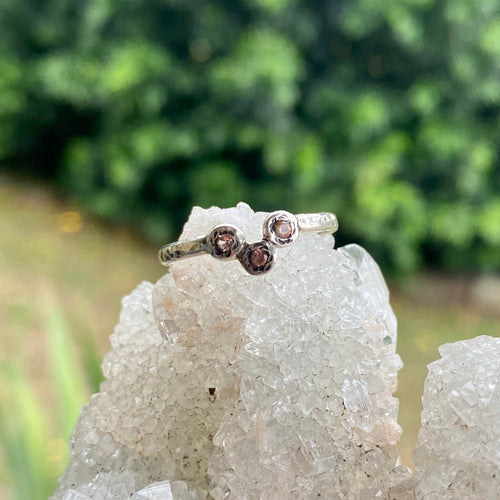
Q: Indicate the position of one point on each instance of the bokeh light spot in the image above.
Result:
(70, 222)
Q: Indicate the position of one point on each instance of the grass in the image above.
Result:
(60, 288)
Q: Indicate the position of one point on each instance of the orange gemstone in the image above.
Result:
(283, 229)
(224, 242)
(258, 257)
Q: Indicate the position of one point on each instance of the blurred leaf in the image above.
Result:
(91, 363)
(131, 65)
(261, 57)
(454, 223)
(65, 369)
(489, 220)
(278, 151)
(309, 165)
(25, 433)
(216, 183)
(35, 447)
(491, 36)
(368, 114)
(271, 6)
(70, 78)
(424, 97)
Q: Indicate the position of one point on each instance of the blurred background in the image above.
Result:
(116, 117)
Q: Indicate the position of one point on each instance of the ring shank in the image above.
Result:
(322, 222)
(182, 249)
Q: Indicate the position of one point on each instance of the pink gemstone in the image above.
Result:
(224, 242)
(258, 257)
(283, 229)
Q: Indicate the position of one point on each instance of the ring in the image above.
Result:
(228, 242)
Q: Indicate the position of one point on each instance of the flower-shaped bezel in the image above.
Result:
(272, 232)
(233, 240)
(258, 257)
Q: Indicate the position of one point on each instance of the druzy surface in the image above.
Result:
(458, 449)
(220, 384)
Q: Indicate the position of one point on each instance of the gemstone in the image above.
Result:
(224, 242)
(283, 229)
(258, 257)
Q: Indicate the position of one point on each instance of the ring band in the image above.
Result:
(228, 242)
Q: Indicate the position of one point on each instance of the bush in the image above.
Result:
(385, 112)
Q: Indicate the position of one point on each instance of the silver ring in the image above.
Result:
(228, 242)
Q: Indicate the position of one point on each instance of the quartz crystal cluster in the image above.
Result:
(224, 385)
(458, 450)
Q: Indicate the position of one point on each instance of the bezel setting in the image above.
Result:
(225, 241)
(274, 234)
(258, 257)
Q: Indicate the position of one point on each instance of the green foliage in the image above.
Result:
(33, 444)
(385, 112)
(65, 371)
(24, 437)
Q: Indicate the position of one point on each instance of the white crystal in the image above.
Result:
(156, 491)
(458, 450)
(274, 387)
(75, 495)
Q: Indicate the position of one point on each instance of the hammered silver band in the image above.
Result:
(228, 242)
